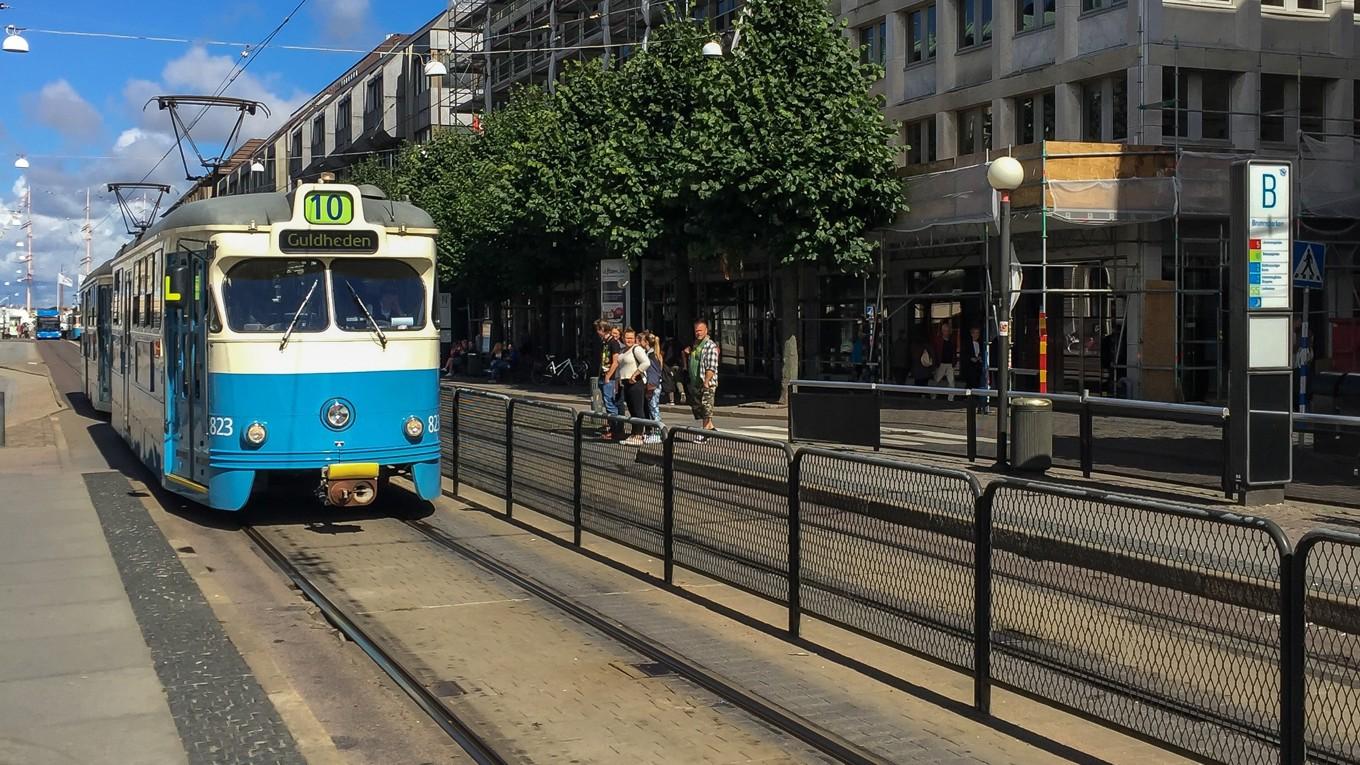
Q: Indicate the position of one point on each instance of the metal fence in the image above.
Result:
(1328, 585)
(1185, 625)
(1156, 617)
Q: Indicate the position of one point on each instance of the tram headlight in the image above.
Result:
(256, 434)
(338, 415)
(414, 427)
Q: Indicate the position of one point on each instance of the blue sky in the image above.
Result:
(73, 105)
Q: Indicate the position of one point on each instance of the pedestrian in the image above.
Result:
(703, 375)
(857, 355)
(632, 374)
(947, 354)
(922, 363)
(974, 366)
(609, 387)
(656, 374)
(599, 362)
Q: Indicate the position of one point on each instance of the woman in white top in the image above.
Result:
(633, 364)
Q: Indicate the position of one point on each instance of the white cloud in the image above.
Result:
(60, 107)
(343, 19)
(143, 138)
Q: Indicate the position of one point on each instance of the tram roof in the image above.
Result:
(105, 269)
(274, 207)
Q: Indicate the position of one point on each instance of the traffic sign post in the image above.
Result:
(1261, 330)
(1310, 259)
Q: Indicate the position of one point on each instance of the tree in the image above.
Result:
(811, 150)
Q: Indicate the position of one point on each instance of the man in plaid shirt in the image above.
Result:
(703, 374)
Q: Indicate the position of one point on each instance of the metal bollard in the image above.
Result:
(2, 418)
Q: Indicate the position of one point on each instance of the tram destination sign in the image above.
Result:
(319, 240)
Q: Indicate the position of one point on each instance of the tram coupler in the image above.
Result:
(349, 485)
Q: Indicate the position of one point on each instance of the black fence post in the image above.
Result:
(1087, 437)
(576, 480)
(972, 427)
(982, 602)
(668, 506)
(1293, 629)
(795, 546)
(510, 458)
(878, 403)
(457, 440)
(1228, 487)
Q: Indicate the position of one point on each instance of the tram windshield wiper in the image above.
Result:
(283, 343)
(381, 337)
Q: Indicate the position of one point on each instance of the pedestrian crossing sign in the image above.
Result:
(1309, 260)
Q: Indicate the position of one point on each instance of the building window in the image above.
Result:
(1355, 108)
(1034, 14)
(1313, 106)
(1092, 102)
(1035, 118)
(1293, 5)
(975, 22)
(921, 34)
(318, 136)
(920, 140)
(1198, 103)
(344, 121)
(295, 154)
(975, 129)
(1119, 107)
(873, 44)
(1095, 5)
(1272, 107)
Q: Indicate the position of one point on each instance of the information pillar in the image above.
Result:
(1260, 337)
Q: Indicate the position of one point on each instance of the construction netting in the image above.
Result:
(1328, 171)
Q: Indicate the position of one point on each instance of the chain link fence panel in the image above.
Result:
(1331, 569)
(731, 510)
(887, 551)
(481, 440)
(1161, 619)
(543, 445)
(621, 487)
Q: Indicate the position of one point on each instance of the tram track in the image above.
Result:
(471, 742)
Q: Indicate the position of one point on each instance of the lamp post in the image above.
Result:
(1005, 174)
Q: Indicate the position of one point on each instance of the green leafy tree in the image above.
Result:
(812, 162)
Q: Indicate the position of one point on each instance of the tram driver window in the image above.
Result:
(265, 294)
(368, 291)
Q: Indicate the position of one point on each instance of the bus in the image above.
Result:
(47, 325)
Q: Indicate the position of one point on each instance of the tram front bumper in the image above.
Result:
(352, 484)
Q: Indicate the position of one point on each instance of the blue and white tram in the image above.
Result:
(268, 334)
(95, 296)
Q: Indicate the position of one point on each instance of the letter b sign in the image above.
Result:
(1269, 198)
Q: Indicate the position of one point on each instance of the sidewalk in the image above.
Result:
(579, 397)
(108, 651)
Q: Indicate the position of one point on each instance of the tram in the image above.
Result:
(269, 335)
(47, 324)
(95, 294)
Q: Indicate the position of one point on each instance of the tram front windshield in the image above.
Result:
(264, 295)
(388, 292)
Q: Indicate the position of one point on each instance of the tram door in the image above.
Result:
(185, 365)
(103, 341)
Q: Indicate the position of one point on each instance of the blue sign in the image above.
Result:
(1309, 260)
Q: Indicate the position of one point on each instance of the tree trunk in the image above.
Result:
(543, 323)
(788, 328)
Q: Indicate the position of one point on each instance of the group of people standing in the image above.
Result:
(937, 360)
(632, 372)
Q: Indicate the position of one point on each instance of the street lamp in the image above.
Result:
(257, 166)
(14, 42)
(713, 49)
(435, 68)
(21, 162)
(1005, 174)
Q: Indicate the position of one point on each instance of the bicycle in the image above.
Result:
(559, 372)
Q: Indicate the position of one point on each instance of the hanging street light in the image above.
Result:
(713, 49)
(14, 42)
(21, 162)
(257, 166)
(435, 68)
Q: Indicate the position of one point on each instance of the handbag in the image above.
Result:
(926, 360)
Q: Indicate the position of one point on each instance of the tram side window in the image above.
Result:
(390, 291)
(265, 294)
(117, 299)
(157, 307)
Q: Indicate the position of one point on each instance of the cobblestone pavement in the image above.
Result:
(531, 680)
(898, 706)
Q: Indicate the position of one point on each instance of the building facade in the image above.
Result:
(1126, 116)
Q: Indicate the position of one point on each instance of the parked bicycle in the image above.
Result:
(566, 371)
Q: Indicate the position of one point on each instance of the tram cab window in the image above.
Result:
(263, 295)
(390, 290)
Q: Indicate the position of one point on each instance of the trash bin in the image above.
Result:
(1031, 435)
